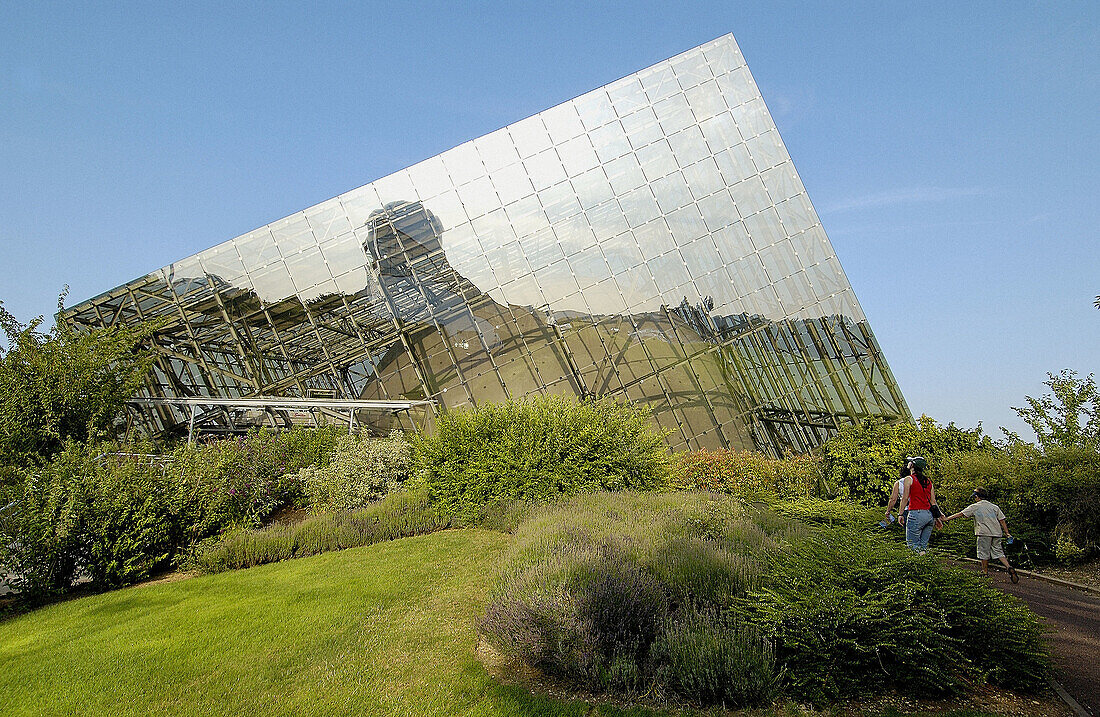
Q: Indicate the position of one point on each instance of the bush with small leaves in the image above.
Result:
(359, 472)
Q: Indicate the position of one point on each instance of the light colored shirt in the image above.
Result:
(987, 518)
(901, 493)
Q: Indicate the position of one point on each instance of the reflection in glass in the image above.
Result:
(649, 240)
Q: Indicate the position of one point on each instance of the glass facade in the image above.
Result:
(649, 240)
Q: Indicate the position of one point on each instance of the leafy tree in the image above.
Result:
(1068, 417)
(862, 461)
(64, 384)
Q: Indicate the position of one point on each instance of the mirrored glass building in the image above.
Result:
(649, 240)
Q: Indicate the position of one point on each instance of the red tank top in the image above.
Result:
(920, 498)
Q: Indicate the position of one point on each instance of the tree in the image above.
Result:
(66, 384)
(1068, 417)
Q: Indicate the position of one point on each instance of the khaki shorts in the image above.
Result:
(989, 547)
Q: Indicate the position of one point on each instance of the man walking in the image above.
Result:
(990, 529)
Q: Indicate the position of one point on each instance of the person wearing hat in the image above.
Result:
(990, 529)
(919, 497)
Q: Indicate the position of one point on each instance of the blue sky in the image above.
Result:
(951, 149)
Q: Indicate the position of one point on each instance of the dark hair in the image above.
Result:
(981, 493)
(904, 473)
(918, 473)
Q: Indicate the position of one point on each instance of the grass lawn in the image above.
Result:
(387, 629)
(382, 630)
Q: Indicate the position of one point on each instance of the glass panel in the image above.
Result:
(736, 164)
(430, 177)
(595, 109)
(545, 169)
(624, 174)
(767, 150)
(562, 123)
(463, 163)
(780, 260)
(641, 127)
(574, 234)
(627, 96)
(704, 178)
(738, 87)
(530, 136)
(720, 132)
(327, 220)
(705, 100)
(797, 215)
(672, 192)
(257, 249)
(223, 263)
(622, 253)
(397, 187)
(659, 82)
(609, 141)
(750, 196)
(607, 220)
(293, 234)
(657, 160)
(701, 256)
(674, 114)
(781, 182)
(639, 206)
(689, 146)
(686, 224)
(478, 197)
(526, 215)
(723, 54)
(691, 69)
(753, 118)
(273, 283)
(654, 239)
(578, 156)
(718, 210)
(765, 229)
(592, 188)
(512, 183)
(559, 202)
(496, 150)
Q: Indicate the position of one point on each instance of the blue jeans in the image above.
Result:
(918, 529)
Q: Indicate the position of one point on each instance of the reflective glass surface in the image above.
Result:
(648, 240)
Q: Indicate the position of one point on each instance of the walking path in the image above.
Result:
(1074, 618)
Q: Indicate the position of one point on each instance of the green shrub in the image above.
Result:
(244, 480)
(359, 472)
(850, 613)
(110, 520)
(1050, 499)
(747, 475)
(41, 535)
(114, 514)
(400, 514)
(693, 594)
(862, 461)
(609, 589)
(716, 660)
(538, 449)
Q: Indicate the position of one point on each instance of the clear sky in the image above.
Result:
(950, 148)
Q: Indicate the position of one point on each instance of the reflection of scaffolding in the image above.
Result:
(220, 415)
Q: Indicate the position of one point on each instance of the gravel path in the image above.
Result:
(1074, 618)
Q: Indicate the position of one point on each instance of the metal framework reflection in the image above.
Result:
(648, 240)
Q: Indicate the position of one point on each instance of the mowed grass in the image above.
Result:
(388, 629)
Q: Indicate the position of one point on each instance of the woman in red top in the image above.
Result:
(920, 496)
